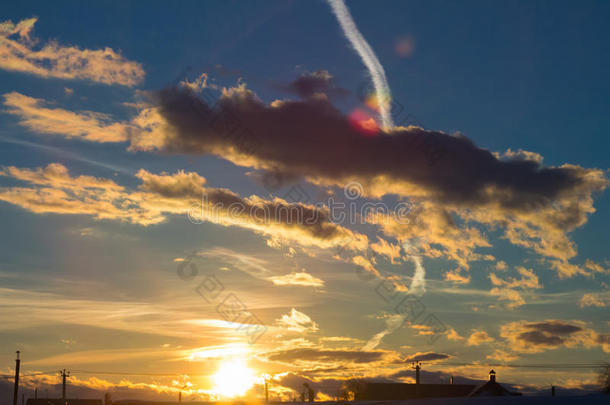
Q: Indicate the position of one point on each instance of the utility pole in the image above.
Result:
(16, 388)
(266, 378)
(63, 374)
(417, 367)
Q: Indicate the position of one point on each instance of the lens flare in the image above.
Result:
(363, 123)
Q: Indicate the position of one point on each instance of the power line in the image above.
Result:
(540, 365)
(177, 374)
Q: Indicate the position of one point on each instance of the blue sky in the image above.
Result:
(90, 270)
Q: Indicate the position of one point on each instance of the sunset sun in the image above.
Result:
(233, 379)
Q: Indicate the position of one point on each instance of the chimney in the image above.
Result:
(492, 376)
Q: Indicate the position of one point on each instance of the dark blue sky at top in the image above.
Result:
(507, 74)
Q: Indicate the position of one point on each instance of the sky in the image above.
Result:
(209, 189)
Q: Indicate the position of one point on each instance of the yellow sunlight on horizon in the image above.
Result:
(233, 379)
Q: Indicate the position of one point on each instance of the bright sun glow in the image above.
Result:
(233, 379)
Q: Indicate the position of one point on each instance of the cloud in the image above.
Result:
(534, 337)
(427, 356)
(594, 300)
(501, 265)
(301, 278)
(319, 83)
(456, 277)
(479, 337)
(528, 280)
(453, 183)
(53, 190)
(318, 355)
(387, 249)
(506, 289)
(567, 270)
(86, 125)
(17, 53)
(452, 334)
(514, 298)
(502, 355)
(296, 321)
(94, 387)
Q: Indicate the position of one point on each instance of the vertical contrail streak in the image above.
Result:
(418, 283)
(382, 90)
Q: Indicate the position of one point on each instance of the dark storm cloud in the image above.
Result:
(326, 356)
(312, 138)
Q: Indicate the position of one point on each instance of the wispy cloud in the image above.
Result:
(301, 278)
(18, 53)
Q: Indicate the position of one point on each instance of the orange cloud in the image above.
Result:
(53, 190)
(106, 66)
(301, 278)
(535, 337)
(478, 337)
(86, 125)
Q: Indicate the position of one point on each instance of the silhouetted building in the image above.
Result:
(59, 401)
(491, 389)
(366, 391)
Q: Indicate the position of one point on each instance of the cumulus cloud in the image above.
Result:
(452, 334)
(301, 278)
(453, 182)
(53, 190)
(18, 53)
(453, 186)
(534, 337)
(599, 300)
(506, 289)
(296, 321)
(478, 337)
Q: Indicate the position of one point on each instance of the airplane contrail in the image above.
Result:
(382, 90)
(418, 283)
(393, 322)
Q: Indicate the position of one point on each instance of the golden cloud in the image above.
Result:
(17, 53)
